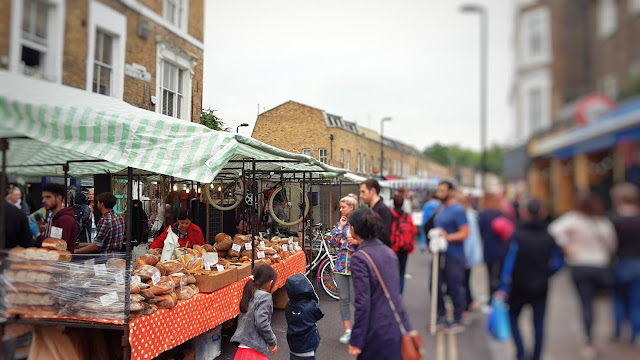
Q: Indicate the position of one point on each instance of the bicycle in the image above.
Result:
(323, 263)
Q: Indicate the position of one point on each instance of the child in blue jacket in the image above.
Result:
(302, 312)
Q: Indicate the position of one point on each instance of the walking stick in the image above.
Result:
(434, 290)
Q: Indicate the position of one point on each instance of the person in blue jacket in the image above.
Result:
(302, 312)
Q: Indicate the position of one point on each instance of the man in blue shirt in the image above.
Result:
(452, 222)
(428, 210)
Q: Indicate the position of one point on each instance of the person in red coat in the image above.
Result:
(189, 234)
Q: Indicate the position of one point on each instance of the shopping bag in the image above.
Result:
(170, 245)
(498, 322)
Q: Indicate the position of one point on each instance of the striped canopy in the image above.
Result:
(51, 124)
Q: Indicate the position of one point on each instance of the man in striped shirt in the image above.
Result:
(110, 235)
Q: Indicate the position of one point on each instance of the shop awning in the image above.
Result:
(607, 132)
(51, 124)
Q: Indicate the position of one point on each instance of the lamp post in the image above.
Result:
(381, 144)
(331, 154)
(241, 125)
(477, 9)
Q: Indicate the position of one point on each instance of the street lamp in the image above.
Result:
(331, 156)
(241, 125)
(477, 9)
(381, 145)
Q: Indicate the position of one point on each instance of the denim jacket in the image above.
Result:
(345, 251)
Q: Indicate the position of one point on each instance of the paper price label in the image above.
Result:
(119, 278)
(247, 246)
(207, 267)
(296, 244)
(100, 270)
(290, 239)
(109, 299)
(236, 247)
(155, 278)
(260, 254)
(285, 247)
(90, 262)
(209, 259)
(136, 279)
(261, 234)
(220, 267)
(262, 244)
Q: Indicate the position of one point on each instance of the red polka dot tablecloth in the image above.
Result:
(150, 336)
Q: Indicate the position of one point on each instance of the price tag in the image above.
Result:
(109, 299)
(100, 270)
(136, 279)
(260, 254)
(155, 278)
(285, 247)
(262, 244)
(207, 267)
(236, 247)
(90, 262)
(261, 234)
(247, 246)
(119, 278)
(220, 267)
(209, 259)
(290, 239)
(296, 244)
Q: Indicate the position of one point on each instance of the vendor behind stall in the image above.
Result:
(110, 234)
(189, 234)
(62, 222)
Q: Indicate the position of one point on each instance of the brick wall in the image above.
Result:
(196, 19)
(5, 15)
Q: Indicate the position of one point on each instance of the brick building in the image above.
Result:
(331, 139)
(145, 52)
(567, 55)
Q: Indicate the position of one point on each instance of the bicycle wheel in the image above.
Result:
(327, 279)
(288, 196)
(225, 192)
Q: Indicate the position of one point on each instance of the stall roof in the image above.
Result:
(53, 124)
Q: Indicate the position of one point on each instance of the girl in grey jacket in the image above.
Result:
(254, 336)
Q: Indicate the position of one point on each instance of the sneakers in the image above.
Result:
(346, 337)
(455, 328)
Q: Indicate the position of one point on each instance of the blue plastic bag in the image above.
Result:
(556, 263)
(498, 322)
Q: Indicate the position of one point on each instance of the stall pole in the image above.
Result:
(254, 223)
(244, 195)
(304, 221)
(4, 146)
(330, 204)
(65, 168)
(125, 338)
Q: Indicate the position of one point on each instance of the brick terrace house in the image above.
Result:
(333, 140)
(145, 52)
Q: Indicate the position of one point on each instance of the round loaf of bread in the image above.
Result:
(221, 237)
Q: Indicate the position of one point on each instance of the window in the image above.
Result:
(634, 7)
(103, 64)
(334, 120)
(610, 86)
(364, 163)
(322, 155)
(306, 152)
(107, 40)
(37, 34)
(176, 12)
(349, 160)
(535, 37)
(371, 166)
(358, 163)
(174, 78)
(607, 17)
(341, 157)
(535, 108)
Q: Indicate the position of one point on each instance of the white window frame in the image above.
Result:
(371, 165)
(349, 160)
(183, 20)
(633, 7)
(323, 155)
(114, 23)
(540, 79)
(607, 18)
(341, 157)
(171, 53)
(542, 17)
(363, 167)
(55, 39)
(358, 162)
(306, 152)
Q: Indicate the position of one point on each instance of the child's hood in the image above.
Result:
(300, 288)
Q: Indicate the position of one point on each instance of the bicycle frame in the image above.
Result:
(323, 254)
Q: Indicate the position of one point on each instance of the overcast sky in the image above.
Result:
(416, 61)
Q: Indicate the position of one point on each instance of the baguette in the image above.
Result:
(33, 310)
(30, 299)
(28, 276)
(54, 244)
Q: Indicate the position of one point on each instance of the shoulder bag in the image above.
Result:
(412, 346)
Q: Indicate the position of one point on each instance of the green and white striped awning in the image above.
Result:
(56, 124)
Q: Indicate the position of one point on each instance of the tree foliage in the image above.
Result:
(454, 155)
(212, 121)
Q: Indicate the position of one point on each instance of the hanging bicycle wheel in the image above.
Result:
(287, 205)
(226, 192)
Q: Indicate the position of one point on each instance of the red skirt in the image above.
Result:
(249, 354)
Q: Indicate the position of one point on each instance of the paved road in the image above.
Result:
(563, 325)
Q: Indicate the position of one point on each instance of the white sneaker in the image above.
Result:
(346, 337)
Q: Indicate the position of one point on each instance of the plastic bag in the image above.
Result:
(170, 245)
(498, 322)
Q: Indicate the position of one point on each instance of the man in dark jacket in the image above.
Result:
(526, 271)
(370, 195)
(62, 222)
(302, 312)
(17, 231)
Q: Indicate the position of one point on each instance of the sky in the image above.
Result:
(416, 61)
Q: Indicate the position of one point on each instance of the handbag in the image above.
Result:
(411, 345)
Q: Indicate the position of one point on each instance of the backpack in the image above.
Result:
(402, 234)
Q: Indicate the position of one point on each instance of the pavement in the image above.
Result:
(563, 325)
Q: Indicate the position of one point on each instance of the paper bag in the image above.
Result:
(170, 245)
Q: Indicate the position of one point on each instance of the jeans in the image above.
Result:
(588, 281)
(627, 295)
(495, 270)
(538, 301)
(296, 357)
(402, 260)
(345, 291)
(467, 288)
(451, 275)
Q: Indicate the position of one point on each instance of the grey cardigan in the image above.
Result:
(254, 327)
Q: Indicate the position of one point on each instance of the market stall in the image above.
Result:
(59, 130)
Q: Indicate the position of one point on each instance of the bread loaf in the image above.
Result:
(164, 286)
(28, 276)
(224, 245)
(178, 279)
(136, 306)
(147, 294)
(32, 310)
(146, 272)
(16, 253)
(222, 237)
(117, 264)
(156, 252)
(136, 298)
(26, 288)
(185, 293)
(166, 301)
(30, 299)
(148, 259)
(170, 267)
(54, 244)
(190, 279)
(208, 248)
